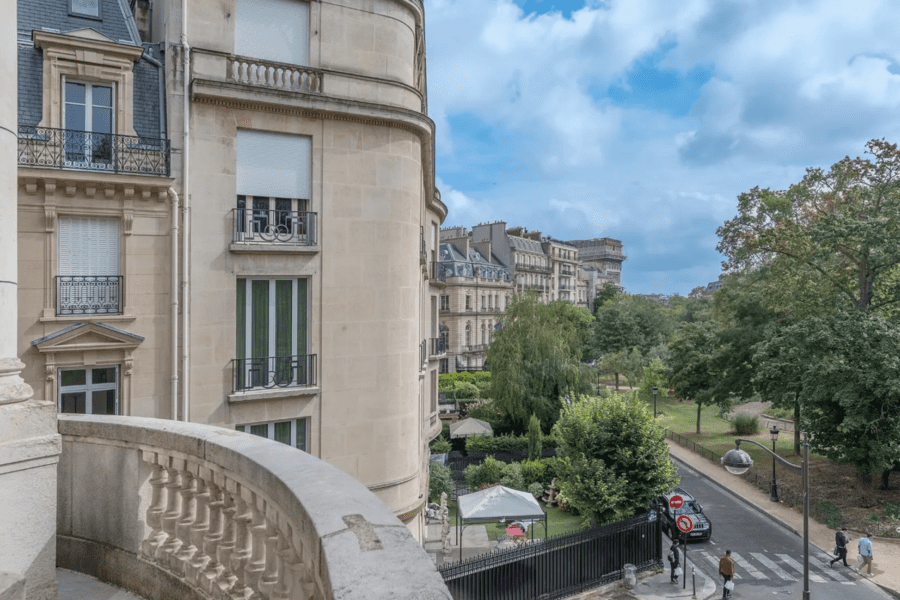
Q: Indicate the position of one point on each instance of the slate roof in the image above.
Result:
(454, 264)
(519, 243)
(115, 22)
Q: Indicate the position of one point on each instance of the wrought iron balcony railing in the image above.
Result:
(439, 346)
(440, 271)
(253, 225)
(522, 266)
(88, 295)
(274, 371)
(89, 151)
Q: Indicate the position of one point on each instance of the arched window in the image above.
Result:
(468, 334)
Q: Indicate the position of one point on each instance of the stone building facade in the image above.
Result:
(270, 272)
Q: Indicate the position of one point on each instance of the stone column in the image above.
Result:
(29, 442)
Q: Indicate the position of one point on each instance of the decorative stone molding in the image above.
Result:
(230, 515)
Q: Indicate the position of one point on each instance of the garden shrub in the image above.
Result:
(466, 390)
(892, 510)
(440, 479)
(536, 490)
(488, 472)
(828, 513)
(533, 472)
(440, 445)
(534, 438)
(512, 477)
(745, 424)
(506, 443)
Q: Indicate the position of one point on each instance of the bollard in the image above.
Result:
(630, 576)
(694, 581)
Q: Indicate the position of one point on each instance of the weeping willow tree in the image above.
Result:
(535, 359)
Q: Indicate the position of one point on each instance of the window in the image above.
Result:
(276, 30)
(89, 125)
(271, 334)
(468, 302)
(468, 334)
(293, 433)
(85, 8)
(88, 281)
(92, 391)
(273, 188)
(445, 303)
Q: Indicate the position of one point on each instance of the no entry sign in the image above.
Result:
(676, 502)
(685, 523)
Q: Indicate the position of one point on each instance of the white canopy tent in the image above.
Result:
(497, 504)
(468, 427)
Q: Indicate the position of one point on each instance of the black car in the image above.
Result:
(702, 527)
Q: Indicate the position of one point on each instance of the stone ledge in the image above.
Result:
(254, 396)
(12, 586)
(273, 248)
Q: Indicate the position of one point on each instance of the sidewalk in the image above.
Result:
(886, 566)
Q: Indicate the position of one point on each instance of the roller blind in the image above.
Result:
(273, 164)
(276, 30)
(88, 246)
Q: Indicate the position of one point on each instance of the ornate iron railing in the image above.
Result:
(88, 295)
(522, 266)
(253, 225)
(440, 271)
(274, 371)
(89, 151)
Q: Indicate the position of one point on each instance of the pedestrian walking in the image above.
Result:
(726, 570)
(674, 563)
(840, 547)
(865, 554)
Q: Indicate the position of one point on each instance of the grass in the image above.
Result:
(558, 521)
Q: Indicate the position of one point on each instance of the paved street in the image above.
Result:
(769, 558)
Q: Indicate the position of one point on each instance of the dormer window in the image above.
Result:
(89, 123)
(85, 8)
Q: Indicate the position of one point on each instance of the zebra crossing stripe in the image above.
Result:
(799, 568)
(713, 561)
(748, 566)
(828, 570)
(772, 566)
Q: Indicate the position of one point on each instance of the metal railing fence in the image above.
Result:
(88, 295)
(274, 371)
(274, 226)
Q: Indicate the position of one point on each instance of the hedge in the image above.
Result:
(506, 443)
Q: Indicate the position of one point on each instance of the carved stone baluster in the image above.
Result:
(226, 547)
(157, 506)
(315, 84)
(242, 548)
(245, 77)
(252, 74)
(270, 76)
(273, 568)
(304, 569)
(233, 70)
(296, 81)
(279, 78)
(178, 559)
(257, 563)
(284, 564)
(214, 535)
(199, 528)
(173, 512)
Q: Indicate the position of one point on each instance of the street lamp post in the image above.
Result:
(739, 462)
(654, 401)
(774, 435)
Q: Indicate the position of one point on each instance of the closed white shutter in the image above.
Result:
(88, 246)
(275, 165)
(276, 30)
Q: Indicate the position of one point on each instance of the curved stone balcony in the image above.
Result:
(174, 510)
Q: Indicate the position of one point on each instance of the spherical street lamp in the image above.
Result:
(737, 462)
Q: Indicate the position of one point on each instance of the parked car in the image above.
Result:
(702, 529)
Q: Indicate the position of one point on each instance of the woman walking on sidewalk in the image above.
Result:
(726, 570)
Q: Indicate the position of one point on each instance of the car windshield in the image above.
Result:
(689, 508)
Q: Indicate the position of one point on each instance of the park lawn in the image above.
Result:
(559, 522)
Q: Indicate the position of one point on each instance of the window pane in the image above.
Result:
(107, 375)
(283, 432)
(103, 402)
(260, 430)
(73, 403)
(260, 214)
(73, 377)
(301, 434)
(75, 118)
(101, 96)
(259, 344)
(241, 312)
(75, 92)
(302, 291)
(101, 120)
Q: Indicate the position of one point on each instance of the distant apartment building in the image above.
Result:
(492, 260)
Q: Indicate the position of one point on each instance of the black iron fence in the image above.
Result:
(88, 295)
(274, 226)
(90, 151)
(560, 566)
(274, 371)
(439, 346)
(693, 446)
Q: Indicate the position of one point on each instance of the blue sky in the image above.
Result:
(644, 119)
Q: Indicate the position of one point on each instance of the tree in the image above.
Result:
(833, 233)
(626, 362)
(627, 322)
(692, 365)
(534, 438)
(615, 460)
(654, 376)
(851, 398)
(607, 292)
(535, 358)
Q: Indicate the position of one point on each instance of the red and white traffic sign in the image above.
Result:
(676, 502)
(685, 523)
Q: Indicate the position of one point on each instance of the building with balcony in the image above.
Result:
(604, 254)
(478, 290)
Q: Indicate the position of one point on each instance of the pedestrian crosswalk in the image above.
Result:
(759, 566)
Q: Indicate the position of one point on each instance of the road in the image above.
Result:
(769, 558)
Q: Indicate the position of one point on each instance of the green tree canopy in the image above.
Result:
(535, 358)
(627, 322)
(692, 368)
(615, 460)
(831, 237)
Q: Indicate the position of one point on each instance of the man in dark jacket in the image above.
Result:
(840, 547)
(674, 562)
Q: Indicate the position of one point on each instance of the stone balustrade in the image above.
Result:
(251, 71)
(181, 510)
